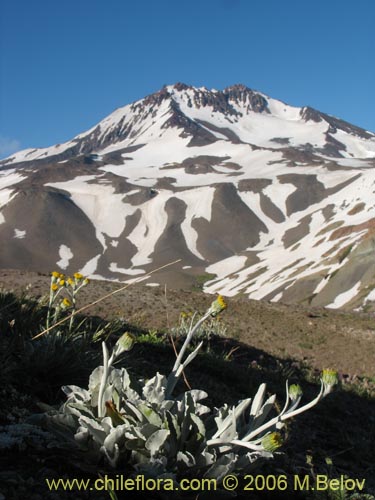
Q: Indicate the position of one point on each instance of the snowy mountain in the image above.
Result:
(260, 198)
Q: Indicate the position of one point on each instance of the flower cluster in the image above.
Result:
(64, 288)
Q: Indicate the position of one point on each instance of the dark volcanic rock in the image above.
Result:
(172, 245)
(50, 219)
(232, 229)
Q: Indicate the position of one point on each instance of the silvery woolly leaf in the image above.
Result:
(154, 389)
(115, 437)
(198, 395)
(258, 400)
(246, 461)
(125, 379)
(132, 395)
(229, 424)
(186, 459)
(173, 425)
(132, 412)
(112, 458)
(206, 458)
(75, 393)
(221, 414)
(229, 434)
(155, 442)
(174, 434)
(150, 415)
(107, 424)
(134, 432)
(223, 466)
(200, 428)
(108, 393)
(258, 420)
(148, 429)
(95, 378)
(95, 429)
(78, 409)
(202, 409)
(167, 405)
(189, 409)
(82, 436)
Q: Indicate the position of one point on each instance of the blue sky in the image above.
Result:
(65, 65)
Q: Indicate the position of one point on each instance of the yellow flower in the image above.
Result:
(272, 441)
(65, 303)
(78, 276)
(54, 287)
(217, 306)
(55, 274)
(62, 282)
(70, 281)
(86, 281)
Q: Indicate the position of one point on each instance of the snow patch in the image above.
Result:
(65, 256)
(345, 297)
(99, 202)
(90, 267)
(113, 267)
(20, 234)
(370, 297)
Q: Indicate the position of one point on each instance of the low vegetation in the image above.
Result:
(90, 397)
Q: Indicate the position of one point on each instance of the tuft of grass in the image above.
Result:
(201, 279)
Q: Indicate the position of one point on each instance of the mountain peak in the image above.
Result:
(275, 201)
(236, 114)
(237, 87)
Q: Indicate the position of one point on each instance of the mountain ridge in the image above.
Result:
(262, 195)
(219, 100)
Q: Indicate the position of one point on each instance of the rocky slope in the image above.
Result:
(255, 196)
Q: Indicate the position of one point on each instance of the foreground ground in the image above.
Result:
(262, 343)
(320, 337)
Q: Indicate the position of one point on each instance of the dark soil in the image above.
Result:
(319, 337)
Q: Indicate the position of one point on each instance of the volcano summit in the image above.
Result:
(264, 199)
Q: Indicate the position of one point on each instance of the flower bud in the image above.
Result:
(329, 379)
(125, 342)
(272, 441)
(295, 392)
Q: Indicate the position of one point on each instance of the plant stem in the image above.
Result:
(103, 382)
